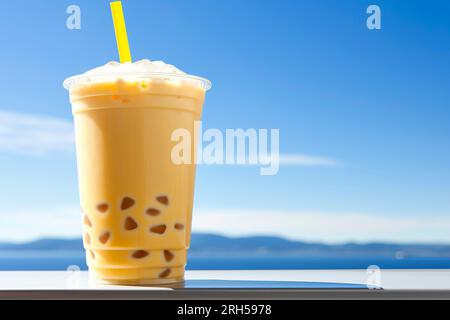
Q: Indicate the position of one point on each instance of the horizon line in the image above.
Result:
(243, 237)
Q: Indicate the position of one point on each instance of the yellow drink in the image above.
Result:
(136, 203)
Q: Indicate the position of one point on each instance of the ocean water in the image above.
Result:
(61, 260)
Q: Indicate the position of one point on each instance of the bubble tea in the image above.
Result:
(136, 201)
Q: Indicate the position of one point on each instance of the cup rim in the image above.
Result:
(73, 81)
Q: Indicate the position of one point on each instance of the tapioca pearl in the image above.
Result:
(103, 207)
(163, 200)
(87, 238)
(104, 237)
(153, 212)
(168, 255)
(130, 224)
(127, 203)
(179, 226)
(87, 221)
(92, 254)
(165, 273)
(139, 254)
(159, 229)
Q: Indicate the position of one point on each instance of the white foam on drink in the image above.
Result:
(141, 70)
(139, 67)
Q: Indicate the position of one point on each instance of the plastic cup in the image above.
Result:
(136, 202)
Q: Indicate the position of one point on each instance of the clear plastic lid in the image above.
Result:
(89, 79)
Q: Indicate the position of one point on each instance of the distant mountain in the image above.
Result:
(45, 244)
(212, 244)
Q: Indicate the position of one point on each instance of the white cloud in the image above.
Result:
(34, 134)
(325, 227)
(307, 160)
(38, 134)
(31, 223)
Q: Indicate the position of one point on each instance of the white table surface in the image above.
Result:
(38, 284)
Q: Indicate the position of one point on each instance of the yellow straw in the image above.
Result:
(121, 32)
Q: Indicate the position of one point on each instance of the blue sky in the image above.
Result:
(377, 102)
